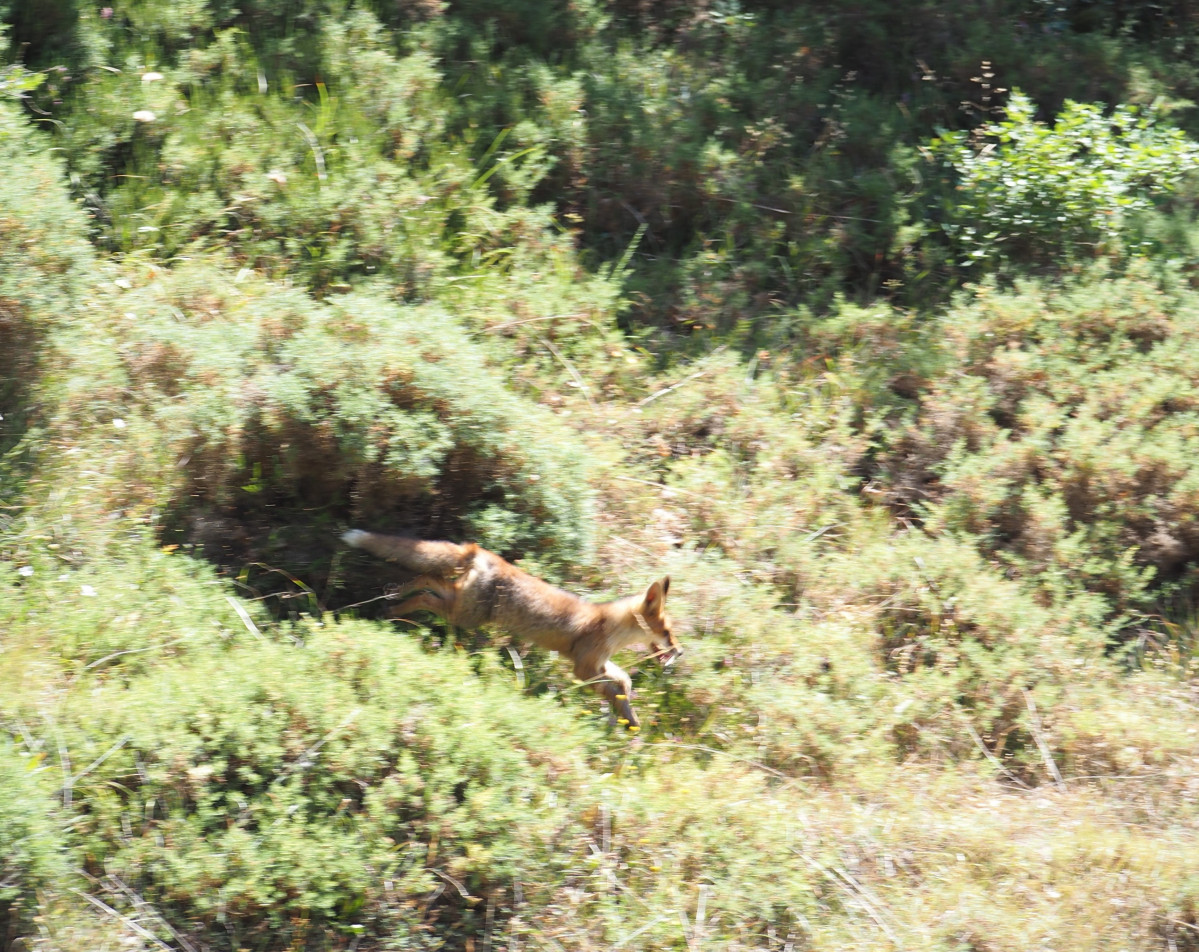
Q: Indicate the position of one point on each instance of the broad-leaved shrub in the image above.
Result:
(1027, 192)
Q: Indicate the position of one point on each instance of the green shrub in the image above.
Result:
(359, 410)
(270, 786)
(354, 175)
(1060, 436)
(32, 839)
(45, 258)
(45, 261)
(1030, 193)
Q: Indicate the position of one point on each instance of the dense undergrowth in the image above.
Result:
(873, 324)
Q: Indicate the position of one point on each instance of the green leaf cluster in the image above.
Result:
(1029, 193)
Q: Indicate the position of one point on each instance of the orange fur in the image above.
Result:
(470, 586)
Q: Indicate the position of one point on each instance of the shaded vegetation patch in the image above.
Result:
(18, 372)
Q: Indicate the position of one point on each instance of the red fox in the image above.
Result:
(469, 586)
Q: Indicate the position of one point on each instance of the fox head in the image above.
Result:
(658, 626)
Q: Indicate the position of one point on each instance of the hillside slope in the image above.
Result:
(729, 292)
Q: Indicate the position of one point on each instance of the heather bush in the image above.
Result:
(361, 406)
(45, 263)
(318, 785)
(1059, 436)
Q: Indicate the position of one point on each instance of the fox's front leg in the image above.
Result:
(612, 684)
(618, 689)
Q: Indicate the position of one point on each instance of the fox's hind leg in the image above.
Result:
(434, 595)
(422, 602)
(431, 583)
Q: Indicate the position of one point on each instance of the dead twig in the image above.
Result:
(1039, 737)
(685, 380)
(537, 320)
(145, 908)
(856, 891)
(732, 757)
(992, 759)
(69, 785)
(452, 881)
(121, 654)
(570, 369)
(124, 920)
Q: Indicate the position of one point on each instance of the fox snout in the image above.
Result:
(667, 652)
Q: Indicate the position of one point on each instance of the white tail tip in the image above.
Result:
(355, 538)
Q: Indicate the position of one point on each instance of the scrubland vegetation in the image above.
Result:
(874, 324)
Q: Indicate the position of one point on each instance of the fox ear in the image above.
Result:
(655, 595)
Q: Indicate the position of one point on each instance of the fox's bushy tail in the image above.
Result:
(416, 555)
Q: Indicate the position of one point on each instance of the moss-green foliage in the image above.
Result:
(618, 290)
(758, 156)
(307, 783)
(250, 379)
(769, 154)
(764, 481)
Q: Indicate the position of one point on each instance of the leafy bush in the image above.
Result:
(320, 786)
(758, 151)
(45, 258)
(377, 410)
(764, 156)
(1030, 193)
